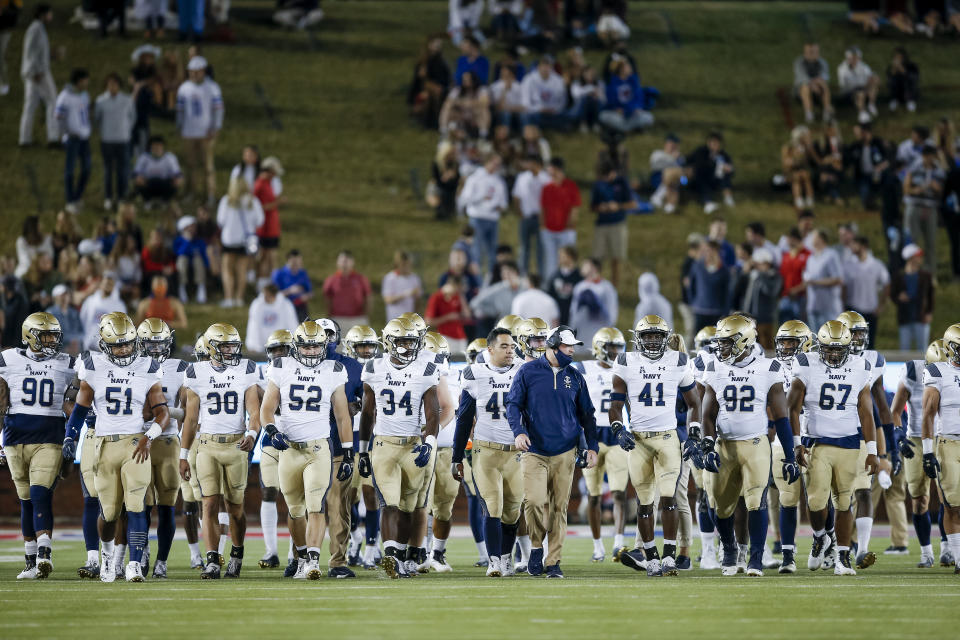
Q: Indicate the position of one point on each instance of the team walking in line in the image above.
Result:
(369, 438)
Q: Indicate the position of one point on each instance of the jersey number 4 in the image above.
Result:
(37, 392)
(494, 405)
(391, 405)
(647, 398)
(741, 397)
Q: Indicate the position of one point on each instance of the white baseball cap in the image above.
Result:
(910, 251)
(762, 255)
(59, 290)
(197, 63)
(566, 336)
(185, 222)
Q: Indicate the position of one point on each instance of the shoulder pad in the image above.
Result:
(468, 374)
(622, 359)
(191, 372)
(866, 365)
(277, 364)
(711, 366)
(880, 360)
(774, 365)
(698, 363)
(934, 370)
(439, 358)
(154, 366)
(88, 361)
(182, 366)
(251, 366)
(3, 363)
(911, 370)
(338, 367)
(369, 366)
(430, 369)
(682, 359)
(72, 364)
(802, 360)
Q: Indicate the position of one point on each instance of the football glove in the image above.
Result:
(791, 472)
(69, 448)
(581, 459)
(363, 465)
(691, 453)
(422, 452)
(896, 463)
(711, 459)
(346, 466)
(455, 471)
(624, 438)
(905, 447)
(3, 458)
(930, 465)
(277, 440)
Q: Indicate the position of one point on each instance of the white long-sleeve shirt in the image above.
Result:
(36, 51)
(465, 17)
(484, 195)
(199, 108)
(95, 306)
(26, 253)
(266, 317)
(150, 167)
(73, 113)
(540, 94)
(527, 189)
(853, 78)
(236, 223)
(512, 97)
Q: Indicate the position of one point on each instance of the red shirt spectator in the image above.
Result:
(155, 260)
(263, 191)
(557, 201)
(792, 265)
(446, 310)
(347, 292)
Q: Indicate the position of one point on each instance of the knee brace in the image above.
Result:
(645, 511)
(668, 504)
(191, 509)
(270, 494)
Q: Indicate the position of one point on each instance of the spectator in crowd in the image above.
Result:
(249, 166)
(532, 142)
(40, 280)
(447, 311)
(155, 18)
(268, 233)
(798, 157)
(293, 281)
(533, 302)
(86, 277)
(594, 303)
(538, 28)
(127, 222)
(922, 191)
(545, 97)
(270, 311)
(191, 253)
(822, 280)
(527, 189)
(38, 85)
(431, 82)
(866, 283)
(9, 14)
(694, 242)
(105, 299)
(828, 155)
(125, 259)
(31, 243)
(468, 106)
(142, 92)
(858, 84)
(755, 234)
(238, 216)
(504, 255)
(114, 115)
(298, 14)
(611, 25)
(709, 286)
(458, 266)
(624, 109)
(15, 309)
(503, 20)
(718, 233)
(667, 174)
(588, 94)
(495, 300)
(651, 301)
(508, 148)
(903, 81)
(106, 234)
(560, 203)
(762, 288)
(811, 81)
(484, 198)
(472, 61)
(348, 293)
(209, 232)
(109, 11)
(442, 190)
(190, 14)
(792, 264)
(610, 200)
(160, 304)
(401, 288)
(580, 18)
(868, 156)
(199, 119)
(910, 151)
(506, 98)
(156, 259)
(157, 174)
(73, 116)
(69, 318)
(846, 236)
(712, 170)
(464, 23)
(947, 143)
(912, 290)
(951, 216)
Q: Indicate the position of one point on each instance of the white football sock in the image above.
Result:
(598, 545)
(439, 545)
(524, 542)
(706, 540)
(357, 536)
(43, 540)
(482, 549)
(546, 550)
(107, 548)
(194, 550)
(369, 553)
(224, 519)
(617, 540)
(926, 550)
(290, 554)
(313, 549)
(953, 539)
(30, 548)
(119, 551)
(93, 557)
(864, 528)
(268, 523)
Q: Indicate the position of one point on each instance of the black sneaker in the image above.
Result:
(271, 562)
(634, 559)
(777, 548)
(291, 569)
(233, 568)
(341, 572)
(90, 570)
(211, 572)
(896, 551)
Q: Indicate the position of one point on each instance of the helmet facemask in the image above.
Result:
(611, 351)
(533, 346)
(159, 350)
(953, 353)
(277, 351)
(301, 346)
(787, 347)
(49, 341)
(227, 353)
(834, 355)
(404, 349)
(122, 354)
(728, 348)
(652, 343)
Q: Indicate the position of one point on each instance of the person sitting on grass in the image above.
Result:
(157, 174)
(858, 84)
(811, 79)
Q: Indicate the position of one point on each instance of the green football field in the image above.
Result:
(892, 599)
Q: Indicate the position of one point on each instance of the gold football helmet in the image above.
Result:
(309, 335)
(951, 344)
(223, 344)
(935, 352)
(278, 345)
(793, 337)
(41, 333)
(676, 342)
(417, 321)
(474, 349)
(510, 322)
(154, 339)
(650, 336)
(735, 338)
(436, 343)
(118, 338)
(200, 353)
(703, 341)
(608, 343)
(361, 343)
(402, 341)
(859, 330)
(531, 335)
(834, 342)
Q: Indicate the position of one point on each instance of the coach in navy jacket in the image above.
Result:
(549, 409)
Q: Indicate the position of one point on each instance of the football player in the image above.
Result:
(607, 344)
(155, 340)
(475, 348)
(910, 396)
(190, 489)
(824, 385)
(740, 386)
(941, 454)
(395, 385)
(91, 522)
(278, 345)
(33, 381)
(125, 390)
(706, 509)
(223, 389)
(306, 388)
(651, 377)
(684, 515)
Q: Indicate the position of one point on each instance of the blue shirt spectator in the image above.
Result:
(190, 248)
(69, 318)
(293, 281)
(612, 188)
(625, 93)
(472, 60)
(709, 287)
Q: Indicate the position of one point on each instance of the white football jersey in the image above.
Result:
(173, 369)
(399, 392)
(652, 387)
(832, 394)
(119, 393)
(489, 388)
(262, 376)
(945, 378)
(222, 394)
(741, 390)
(600, 384)
(877, 364)
(698, 366)
(36, 386)
(786, 368)
(912, 379)
(306, 396)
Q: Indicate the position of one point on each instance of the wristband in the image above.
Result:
(364, 445)
(797, 441)
(432, 441)
(250, 433)
(618, 397)
(616, 424)
(872, 448)
(927, 445)
(184, 453)
(154, 431)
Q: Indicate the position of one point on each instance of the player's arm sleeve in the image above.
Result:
(516, 401)
(466, 413)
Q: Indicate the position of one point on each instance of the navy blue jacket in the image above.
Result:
(553, 409)
(353, 389)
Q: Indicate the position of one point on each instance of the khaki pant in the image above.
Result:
(685, 521)
(895, 500)
(546, 484)
(864, 480)
(269, 472)
(36, 92)
(654, 464)
(395, 477)
(744, 471)
(33, 465)
(198, 161)
(830, 470)
(612, 461)
(789, 493)
(222, 467)
(498, 480)
(468, 484)
(426, 485)
(610, 241)
(88, 462)
(918, 482)
(948, 453)
(445, 487)
(120, 480)
(190, 489)
(338, 515)
(165, 467)
(305, 476)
